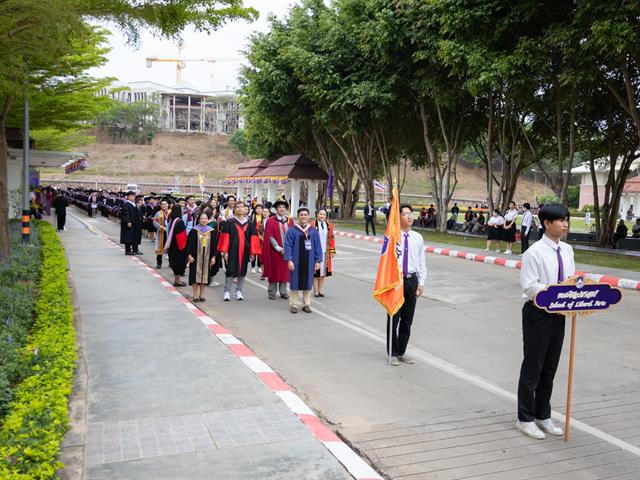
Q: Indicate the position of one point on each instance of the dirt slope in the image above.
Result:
(187, 155)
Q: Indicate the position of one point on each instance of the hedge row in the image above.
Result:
(19, 278)
(32, 432)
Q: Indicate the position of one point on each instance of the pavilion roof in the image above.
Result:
(294, 167)
(632, 185)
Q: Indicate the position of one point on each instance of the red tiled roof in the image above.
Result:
(632, 185)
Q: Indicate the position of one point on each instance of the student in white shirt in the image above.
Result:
(548, 261)
(414, 269)
(494, 227)
(509, 228)
(525, 227)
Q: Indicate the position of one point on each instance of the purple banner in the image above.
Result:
(578, 298)
(330, 184)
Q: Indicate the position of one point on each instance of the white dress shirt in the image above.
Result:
(510, 216)
(540, 266)
(417, 261)
(527, 221)
(496, 221)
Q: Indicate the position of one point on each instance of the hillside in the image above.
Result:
(187, 155)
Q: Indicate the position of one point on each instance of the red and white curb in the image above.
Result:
(503, 262)
(352, 462)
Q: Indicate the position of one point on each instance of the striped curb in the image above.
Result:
(352, 462)
(503, 262)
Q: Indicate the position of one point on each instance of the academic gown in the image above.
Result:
(217, 227)
(274, 266)
(177, 241)
(202, 247)
(240, 241)
(130, 214)
(330, 248)
(294, 249)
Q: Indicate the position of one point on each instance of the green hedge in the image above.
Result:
(19, 277)
(32, 432)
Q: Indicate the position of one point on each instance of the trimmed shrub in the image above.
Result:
(37, 419)
(18, 293)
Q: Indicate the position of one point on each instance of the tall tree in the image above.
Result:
(38, 39)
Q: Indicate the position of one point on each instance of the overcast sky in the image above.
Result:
(128, 64)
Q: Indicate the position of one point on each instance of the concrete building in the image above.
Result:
(185, 109)
(630, 194)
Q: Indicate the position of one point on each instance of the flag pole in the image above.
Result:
(390, 317)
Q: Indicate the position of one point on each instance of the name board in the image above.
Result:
(578, 297)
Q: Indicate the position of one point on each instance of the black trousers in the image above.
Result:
(542, 336)
(62, 219)
(130, 247)
(403, 319)
(159, 260)
(369, 221)
(524, 239)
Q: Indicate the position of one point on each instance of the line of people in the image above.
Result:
(293, 256)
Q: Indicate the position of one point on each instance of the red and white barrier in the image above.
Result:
(503, 262)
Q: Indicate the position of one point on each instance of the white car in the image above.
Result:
(133, 187)
(169, 191)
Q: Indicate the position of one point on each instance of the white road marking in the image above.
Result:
(467, 376)
(353, 463)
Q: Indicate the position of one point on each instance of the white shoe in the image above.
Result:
(549, 426)
(239, 296)
(508, 252)
(226, 297)
(253, 270)
(486, 250)
(530, 429)
(497, 251)
(215, 284)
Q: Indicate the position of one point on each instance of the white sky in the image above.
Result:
(128, 63)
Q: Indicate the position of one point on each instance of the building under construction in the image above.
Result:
(184, 109)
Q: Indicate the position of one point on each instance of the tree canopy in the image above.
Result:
(369, 84)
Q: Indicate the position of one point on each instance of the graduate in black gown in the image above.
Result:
(238, 243)
(60, 203)
(131, 225)
(201, 255)
(176, 246)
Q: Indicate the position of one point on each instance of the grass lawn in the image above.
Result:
(581, 256)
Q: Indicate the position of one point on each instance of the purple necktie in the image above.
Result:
(560, 266)
(405, 255)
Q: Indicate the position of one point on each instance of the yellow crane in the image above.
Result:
(181, 62)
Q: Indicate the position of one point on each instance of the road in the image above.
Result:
(450, 416)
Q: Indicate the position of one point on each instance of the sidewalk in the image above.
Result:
(164, 398)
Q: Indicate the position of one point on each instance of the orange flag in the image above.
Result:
(388, 289)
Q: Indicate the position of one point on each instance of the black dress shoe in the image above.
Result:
(129, 253)
(137, 253)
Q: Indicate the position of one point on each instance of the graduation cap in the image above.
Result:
(280, 202)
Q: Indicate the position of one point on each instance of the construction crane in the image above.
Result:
(181, 62)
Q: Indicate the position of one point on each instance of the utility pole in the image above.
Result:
(26, 207)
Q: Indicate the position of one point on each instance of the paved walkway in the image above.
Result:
(164, 398)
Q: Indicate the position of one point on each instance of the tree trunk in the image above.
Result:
(489, 161)
(5, 243)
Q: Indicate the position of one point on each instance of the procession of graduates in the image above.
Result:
(233, 236)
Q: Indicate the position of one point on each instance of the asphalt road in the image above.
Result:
(452, 414)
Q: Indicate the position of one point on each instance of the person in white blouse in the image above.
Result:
(548, 261)
(413, 264)
(509, 228)
(494, 227)
(525, 227)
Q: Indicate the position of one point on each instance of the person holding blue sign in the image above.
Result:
(548, 261)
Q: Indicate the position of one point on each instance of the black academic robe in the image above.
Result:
(177, 247)
(61, 204)
(240, 241)
(130, 214)
(196, 251)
